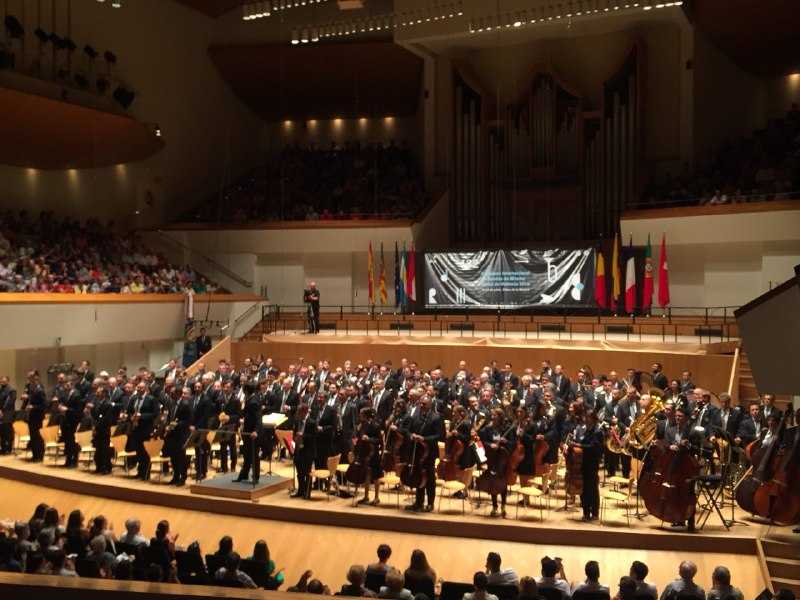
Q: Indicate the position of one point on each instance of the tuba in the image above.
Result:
(643, 429)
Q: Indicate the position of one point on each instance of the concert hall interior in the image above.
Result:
(409, 299)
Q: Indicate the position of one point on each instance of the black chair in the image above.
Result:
(505, 592)
(87, 568)
(582, 595)
(453, 590)
(191, 568)
(375, 580)
(421, 585)
(214, 564)
(550, 593)
(257, 571)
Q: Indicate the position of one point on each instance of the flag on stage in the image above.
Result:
(371, 275)
(663, 274)
(630, 281)
(397, 294)
(647, 292)
(402, 283)
(600, 281)
(616, 276)
(382, 281)
(411, 268)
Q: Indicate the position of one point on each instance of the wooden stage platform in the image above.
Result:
(553, 526)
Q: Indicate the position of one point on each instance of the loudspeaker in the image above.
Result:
(770, 331)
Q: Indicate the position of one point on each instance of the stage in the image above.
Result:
(550, 526)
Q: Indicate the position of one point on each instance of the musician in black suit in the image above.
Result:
(203, 343)
(8, 405)
(382, 400)
(142, 410)
(425, 427)
(660, 380)
(349, 410)
(203, 411)
(750, 426)
(232, 409)
(305, 450)
(102, 411)
(179, 422)
(252, 428)
(36, 404)
(326, 417)
(285, 401)
(729, 417)
(71, 413)
(562, 383)
(589, 438)
(311, 298)
(705, 415)
(498, 437)
(582, 387)
(768, 409)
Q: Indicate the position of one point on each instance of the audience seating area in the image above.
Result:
(63, 255)
(764, 166)
(47, 544)
(309, 184)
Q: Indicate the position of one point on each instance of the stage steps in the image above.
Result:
(783, 564)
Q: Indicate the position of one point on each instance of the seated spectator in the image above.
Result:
(395, 586)
(638, 573)
(132, 535)
(57, 564)
(99, 554)
(52, 525)
(685, 585)
(382, 566)
(553, 577)
(479, 581)
(162, 546)
(261, 555)
(225, 548)
(230, 573)
(627, 589)
(306, 585)
(496, 575)
(721, 588)
(101, 526)
(528, 590)
(8, 562)
(419, 573)
(356, 576)
(77, 536)
(592, 583)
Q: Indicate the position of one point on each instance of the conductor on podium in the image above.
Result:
(311, 298)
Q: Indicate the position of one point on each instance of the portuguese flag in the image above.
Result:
(647, 286)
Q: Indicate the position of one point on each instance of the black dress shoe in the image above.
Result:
(428, 508)
(413, 508)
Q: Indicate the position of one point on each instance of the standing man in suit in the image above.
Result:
(305, 450)
(311, 298)
(750, 427)
(180, 418)
(382, 400)
(102, 411)
(425, 428)
(232, 409)
(729, 417)
(36, 404)
(203, 410)
(659, 379)
(8, 406)
(326, 418)
(202, 342)
(252, 428)
(562, 383)
(768, 409)
(589, 438)
(71, 413)
(143, 410)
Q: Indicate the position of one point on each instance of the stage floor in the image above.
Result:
(549, 526)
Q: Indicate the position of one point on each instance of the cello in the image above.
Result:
(771, 491)
(414, 474)
(573, 457)
(454, 447)
(392, 442)
(494, 480)
(666, 483)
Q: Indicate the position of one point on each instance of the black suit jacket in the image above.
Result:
(305, 449)
(74, 404)
(148, 411)
(203, 344)
(8, 403)
(252, 414)
(203, 411)
(748, 430)
(37, 403)
(430, 427)
(563, 386)
(103, 417)
(735, 416)
(660, 381)
(385, 404)
(287, 404)
(762, 414)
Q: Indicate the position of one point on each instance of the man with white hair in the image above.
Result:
(685, 585)
(132, 535)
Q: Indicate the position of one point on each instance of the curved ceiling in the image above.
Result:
(43, 133)
(363, 79)
(761, 36)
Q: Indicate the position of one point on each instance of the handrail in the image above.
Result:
(762, 564)
(221, 268)
(733, 383)
(243, 316)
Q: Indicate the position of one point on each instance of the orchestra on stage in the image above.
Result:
(489, 431)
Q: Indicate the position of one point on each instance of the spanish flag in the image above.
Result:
(370, 275)
(616, 275)
(382, 281)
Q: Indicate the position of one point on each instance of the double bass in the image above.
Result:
(362, 453)
(573, 457)
(414, 474)
(392, 442)
(666, 483)
(772, 491)
(453, 450)
(494, 480)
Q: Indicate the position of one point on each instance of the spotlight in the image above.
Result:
(116, 3)
(295, 38)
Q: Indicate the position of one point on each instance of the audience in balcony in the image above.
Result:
(51, 254)
(307, 183)
(765, 166)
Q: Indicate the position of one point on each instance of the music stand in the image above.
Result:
(271, 422)
(284, 437)
(195, 440)
(712, 488)
(637, 465)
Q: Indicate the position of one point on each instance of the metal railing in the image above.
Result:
(216, 265)
(691, 202)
